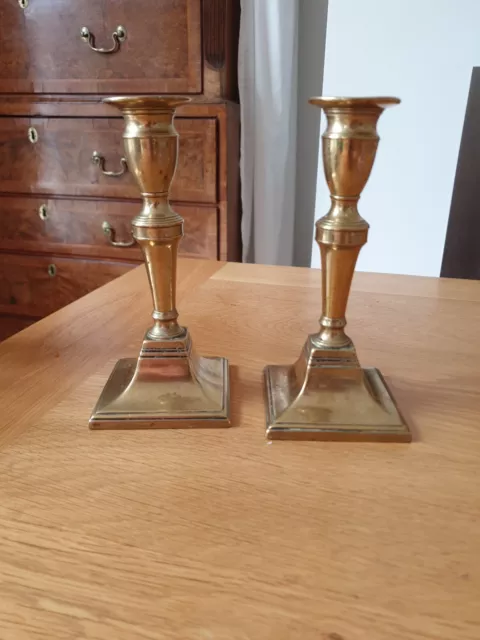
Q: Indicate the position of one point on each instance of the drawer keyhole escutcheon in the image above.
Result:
(32, 135)
(52, 270)
(23, 3)
(43, 212)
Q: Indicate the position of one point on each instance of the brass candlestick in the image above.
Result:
(169, 385)
(326, 395)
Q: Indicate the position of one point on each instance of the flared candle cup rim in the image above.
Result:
(147, 102)
(332, 102)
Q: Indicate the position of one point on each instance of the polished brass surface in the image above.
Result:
(23, 3)
(326, 395)
(99, 161)
(32, 135)
(52, 270)
(169, 385)
(110, 233)
(160, 390)
(118, 36)
(43, 212)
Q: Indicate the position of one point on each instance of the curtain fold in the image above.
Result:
(268, 102)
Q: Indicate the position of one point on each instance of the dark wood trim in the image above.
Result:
(229, 183)
(213, 19)
(461, 257)
(220, 34)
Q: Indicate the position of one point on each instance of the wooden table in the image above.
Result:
(219, 534)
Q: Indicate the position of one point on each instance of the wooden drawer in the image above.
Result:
(64, 226)
(30, 286)
(10, 325)
(60, 161)
(42, 51)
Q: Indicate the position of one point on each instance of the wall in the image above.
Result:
(312, 25)
(422, 51)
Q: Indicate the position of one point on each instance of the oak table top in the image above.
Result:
(217, 534)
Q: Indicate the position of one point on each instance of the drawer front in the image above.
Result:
(39, 285)
(64, 226)
(9, 325)
(54, 156)
(42, 49)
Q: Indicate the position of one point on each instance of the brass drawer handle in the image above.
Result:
(119, 35)
(109, 231)
(52, 270)
(99, 160)
(43, 212)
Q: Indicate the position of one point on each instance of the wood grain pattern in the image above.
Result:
(60, 162)
(214, 25)
(27, 288)
(220, 30)
(41, 50)
(162, 535)
(74, 227)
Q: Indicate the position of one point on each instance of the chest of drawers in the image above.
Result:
(66, 194)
